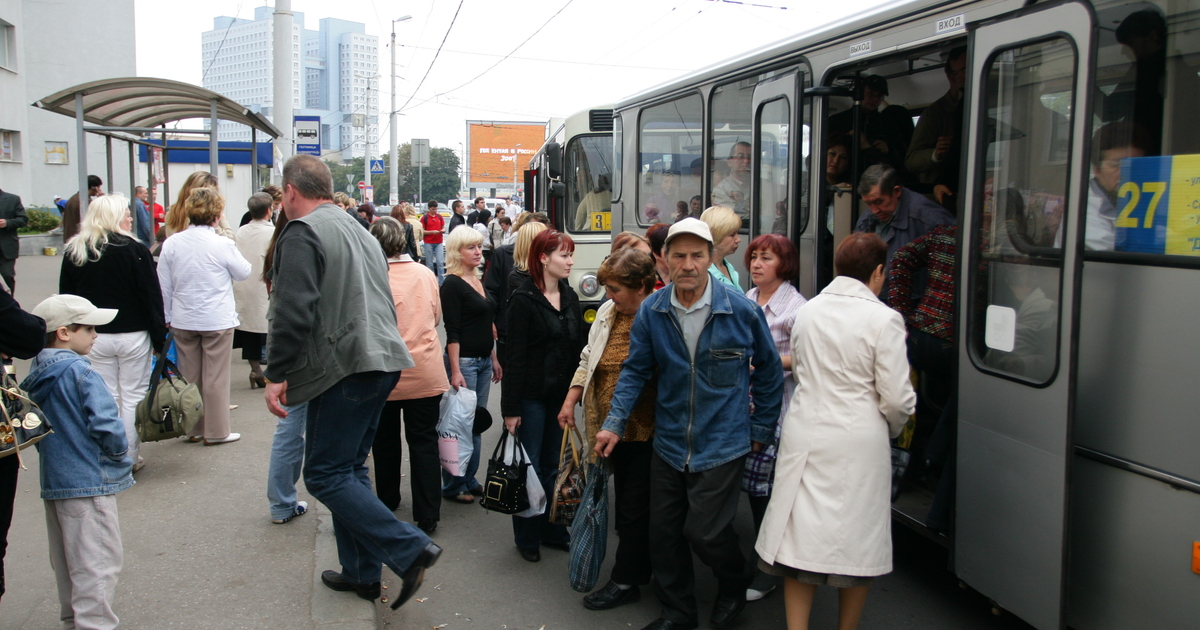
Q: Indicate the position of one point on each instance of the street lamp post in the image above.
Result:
(393, 151)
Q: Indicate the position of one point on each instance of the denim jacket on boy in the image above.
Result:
(702, 415)
(86, 455)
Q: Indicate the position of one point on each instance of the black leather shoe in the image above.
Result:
(530, 555)
(427, 525)
(727, 609)
(611, 596)
(559, 545)
(667, 624)
(337, 582)
(415, 573)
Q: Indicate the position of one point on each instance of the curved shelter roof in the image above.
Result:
(141, 102)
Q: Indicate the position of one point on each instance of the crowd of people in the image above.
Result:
(694, 391)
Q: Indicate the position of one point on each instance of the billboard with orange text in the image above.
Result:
(492, 147)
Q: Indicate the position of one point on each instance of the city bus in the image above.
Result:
(1071, 166)
(570, 179)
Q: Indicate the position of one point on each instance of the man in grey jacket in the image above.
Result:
(334, 345)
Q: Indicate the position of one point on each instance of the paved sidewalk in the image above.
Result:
(200, 550)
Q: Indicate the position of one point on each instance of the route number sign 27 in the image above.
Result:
(1158, 205)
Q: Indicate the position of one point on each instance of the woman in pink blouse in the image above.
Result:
(417, 395)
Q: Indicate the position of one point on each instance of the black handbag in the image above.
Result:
(504, 490)
(22, 423)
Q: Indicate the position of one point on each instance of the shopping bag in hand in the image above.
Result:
(456, 420)
(568, 487)
(589, 532)
(534, 491)
(504, 489)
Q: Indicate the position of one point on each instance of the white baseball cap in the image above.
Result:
(692, 226)
(64, 310)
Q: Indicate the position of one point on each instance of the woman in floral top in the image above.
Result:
(629, 276)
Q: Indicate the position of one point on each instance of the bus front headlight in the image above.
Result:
(589, 286)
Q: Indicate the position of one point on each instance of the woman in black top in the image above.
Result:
(545, 336)
(107, 265)
(470, 350)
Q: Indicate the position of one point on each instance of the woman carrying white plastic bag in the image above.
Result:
(455, 424)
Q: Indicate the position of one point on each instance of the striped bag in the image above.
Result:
(589, 532)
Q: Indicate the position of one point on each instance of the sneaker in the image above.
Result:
(141, 463)
(301, 508)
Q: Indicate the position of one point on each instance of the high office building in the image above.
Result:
(334, 76)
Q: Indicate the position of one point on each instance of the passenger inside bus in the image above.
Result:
(837, 163)
(1140, 95)
(733, 191)
(598, 199)
(898, 214)
(885, 129)
(930, 343)
(936, 148)
(1111, 144)
(661, 205)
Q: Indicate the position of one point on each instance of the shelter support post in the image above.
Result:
(108, 157)
(166, 163)
(254, 187)
(81, 146)
(133, 189)
(214, 122)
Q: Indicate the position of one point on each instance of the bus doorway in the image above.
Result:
(892, 111)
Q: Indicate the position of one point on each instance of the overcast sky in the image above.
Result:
(562, 55)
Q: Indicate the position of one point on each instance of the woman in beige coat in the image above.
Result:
(829, 519)
(251, 294)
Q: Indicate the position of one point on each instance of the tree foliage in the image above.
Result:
(440, 178)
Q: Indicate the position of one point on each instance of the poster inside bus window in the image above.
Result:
(1158, 206)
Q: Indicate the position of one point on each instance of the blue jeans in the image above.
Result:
(435, 259)
(342, 422)
(287, 456)
(542, 438)
(478, 374)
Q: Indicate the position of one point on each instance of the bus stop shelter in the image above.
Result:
(133, 109)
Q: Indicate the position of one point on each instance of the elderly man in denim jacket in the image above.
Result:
(702, 337)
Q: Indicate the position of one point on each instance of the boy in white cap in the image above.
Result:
(84, 462)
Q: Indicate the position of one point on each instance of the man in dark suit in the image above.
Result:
(12, 218)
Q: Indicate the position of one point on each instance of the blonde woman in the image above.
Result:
(468, 313)
(197, 270)
(724, 223)
(499, 282)
(177, 218)
(107, 265)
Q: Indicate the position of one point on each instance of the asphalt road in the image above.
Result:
(200, 552)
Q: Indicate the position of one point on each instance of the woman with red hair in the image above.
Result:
(545, 336)
(773, 263)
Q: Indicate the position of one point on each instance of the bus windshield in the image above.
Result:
(588, 177)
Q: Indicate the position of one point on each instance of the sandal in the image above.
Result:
(465, 498)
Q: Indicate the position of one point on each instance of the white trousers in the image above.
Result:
(123, 361)
(86, 555)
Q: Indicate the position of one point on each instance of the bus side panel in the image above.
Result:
(1139, 366)
(1131, 551)
(1009, 518)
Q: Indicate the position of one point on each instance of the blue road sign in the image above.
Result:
(377, 167)
(307, 131)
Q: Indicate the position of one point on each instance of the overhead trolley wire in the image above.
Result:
(514, 50)
(435, 57)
